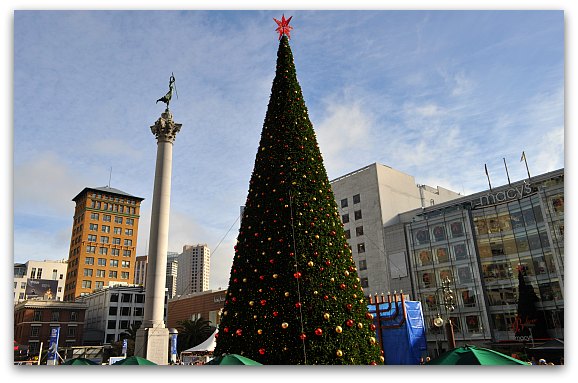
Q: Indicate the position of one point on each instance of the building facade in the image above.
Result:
(207, 305)
(34, 320)
(194, 269)
(369, 199)
(48, 275)
(140, 272)
(103, 241)
(484, 243)
(111, 312)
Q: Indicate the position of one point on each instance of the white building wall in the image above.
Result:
(50, 270)
(383, 194)
(194, 269)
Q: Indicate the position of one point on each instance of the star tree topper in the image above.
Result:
(283, 27)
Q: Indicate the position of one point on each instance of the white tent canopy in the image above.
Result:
(208, 345)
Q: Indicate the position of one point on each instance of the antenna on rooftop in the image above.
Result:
(109, 176)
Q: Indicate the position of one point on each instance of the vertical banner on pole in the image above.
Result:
(124, 346)
(52, 358)
(174, 348)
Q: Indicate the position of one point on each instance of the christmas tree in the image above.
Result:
(294, 295)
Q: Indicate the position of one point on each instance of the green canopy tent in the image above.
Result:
(80, 362)
(233, 359)
(134, 361)
(473, 355)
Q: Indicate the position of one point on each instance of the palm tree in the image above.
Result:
(193, 332)
(130, 333)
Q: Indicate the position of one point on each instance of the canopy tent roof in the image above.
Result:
(554, 344)
(208, 345)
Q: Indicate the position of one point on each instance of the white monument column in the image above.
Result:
(152, 340)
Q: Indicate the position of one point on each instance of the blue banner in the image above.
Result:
(124, 345)
(173, 344)
(53, 345)
(402, 337)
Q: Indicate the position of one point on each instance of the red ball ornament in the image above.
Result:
(239, 332)
(298, 305)
(342, 286)
(226, 329)
(297, 275)
(262, 351)
(275, 313)
(325, 297)
(372, 327)
(349, 306)
(328, 262)
(263, 302)
(349, 322)
(369, 316)
(318, 332)
(302, 336)
(291, 254)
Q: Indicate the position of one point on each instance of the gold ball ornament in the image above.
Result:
(339, 353)
(339, 330)
(275, 276)
(372, 340)
(259, 331)
(285, 325)
(326, 316)
(310, 263)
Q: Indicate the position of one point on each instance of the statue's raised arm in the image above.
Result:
(167, 97)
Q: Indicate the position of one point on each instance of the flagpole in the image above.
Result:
(507, 174)
(526, 162)
(487, 175)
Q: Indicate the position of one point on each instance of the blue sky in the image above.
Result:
(434, 94)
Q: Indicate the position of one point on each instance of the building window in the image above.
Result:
(139, 298)
(91, 249)
(37, 316)
(55, 317)
(344, 202)
(86, 284)
(73, 316)
(34, 331)
(124, 275)
(117, 219)
(112, 274)
(347, 234)
(130, 221)
(71, 330)
(125, 311)
(89, 261)
(363, 264)
(128, 242)
(138, 311)
(98, 284)
(128, 231)
(106, 217)
(105, 229)
(116, 241)
(93, 227)
(126, 298)
(359, 231)
(114, 297)
(113, 263)
(356, 199)
(357, 214)
(33, 273)
(103, 251)
(124, 324)
(361, 247)
(112, 310)
(88, 272)
(102, 261)
(125, 263)
(104, 239)
(117, 230)
(126, 253)
(101, 273)
(364, 282)
(115, 252)
(91, 238)
(94, 215)
(111, 325)
(345, 218)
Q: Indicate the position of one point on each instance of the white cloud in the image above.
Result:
(344, 130)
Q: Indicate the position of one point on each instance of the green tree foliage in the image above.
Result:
(294, 294)
(193, 332)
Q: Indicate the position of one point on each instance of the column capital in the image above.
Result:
(165, 129)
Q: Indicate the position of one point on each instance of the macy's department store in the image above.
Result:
(481, 243)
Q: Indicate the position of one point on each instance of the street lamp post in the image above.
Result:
(448, 296)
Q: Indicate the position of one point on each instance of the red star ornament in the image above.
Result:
(283, 27)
